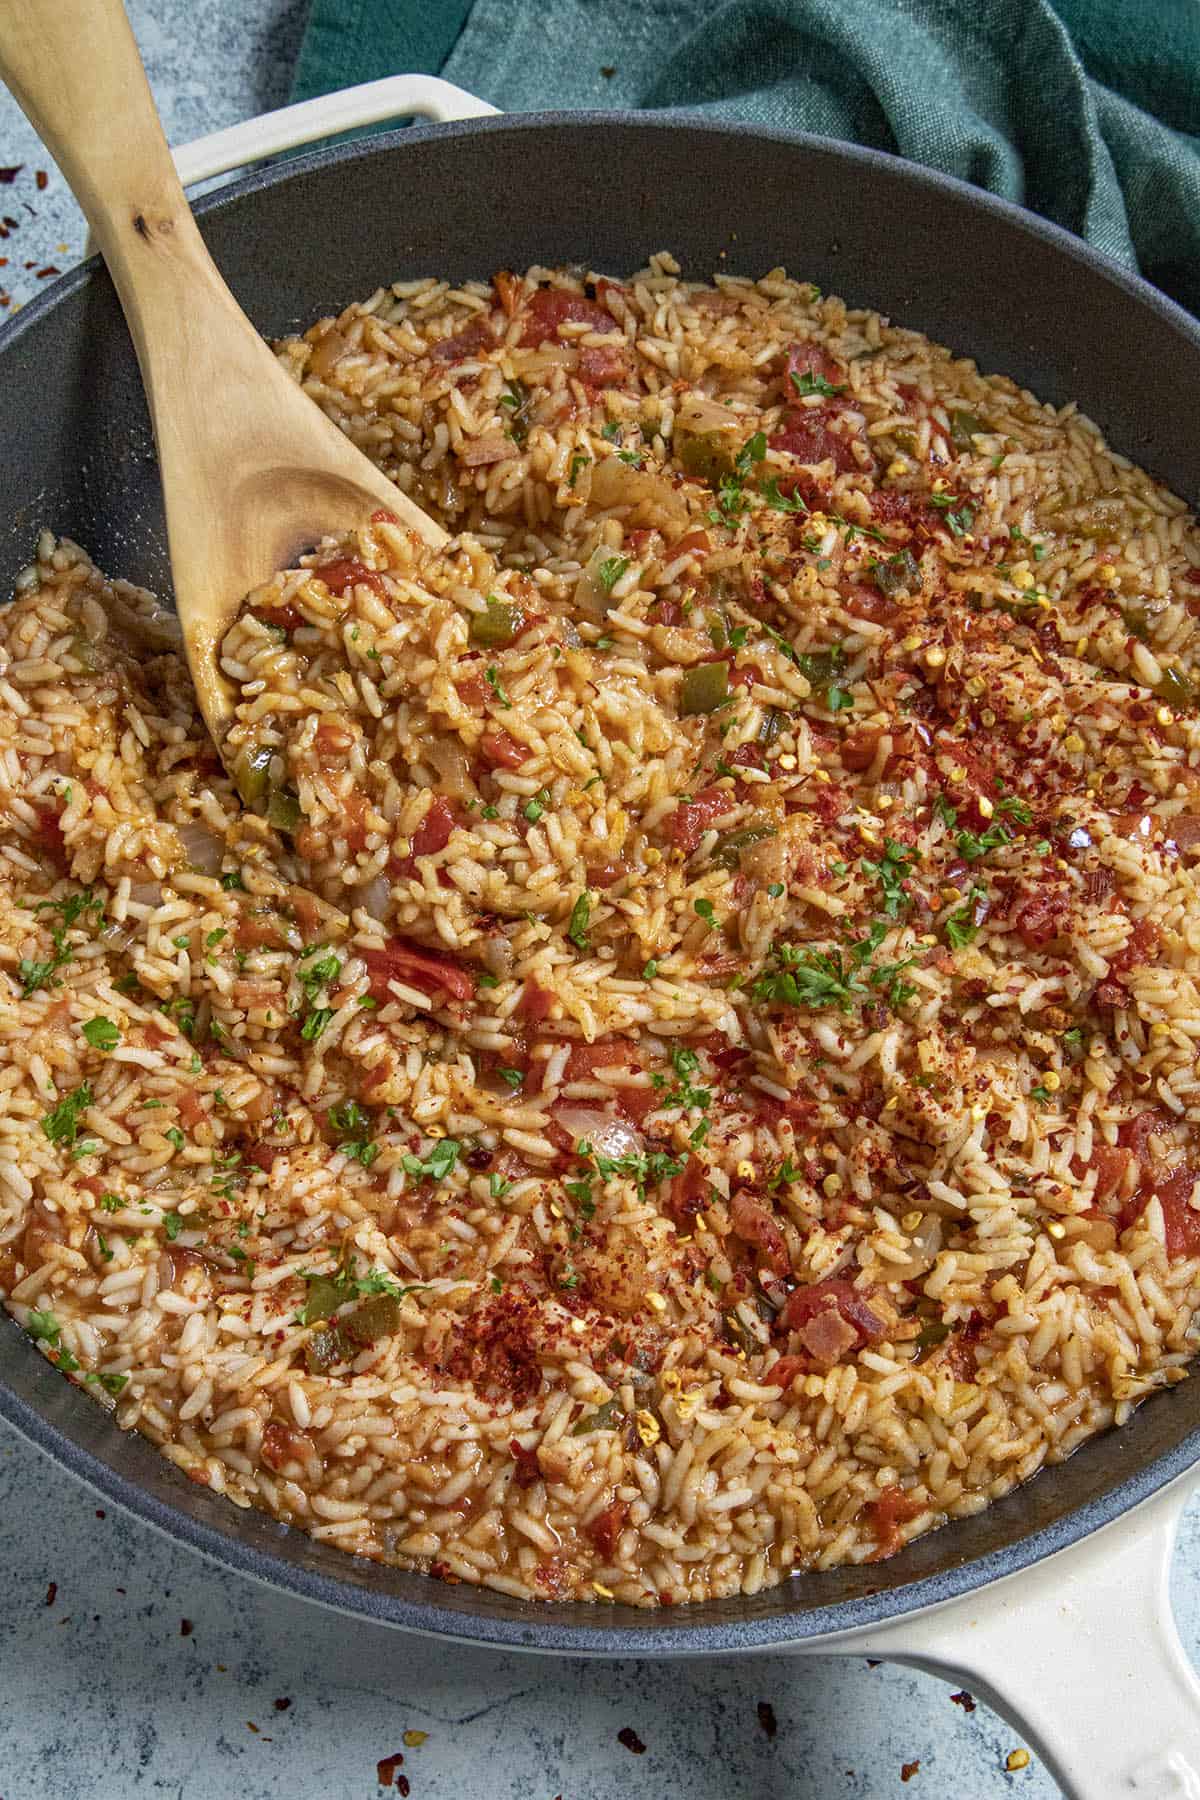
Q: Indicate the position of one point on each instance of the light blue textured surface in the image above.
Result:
(102, 1694)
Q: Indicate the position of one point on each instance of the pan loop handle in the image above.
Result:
(371, 103)
(1082, 1656)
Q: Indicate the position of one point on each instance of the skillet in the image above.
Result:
(605, 190)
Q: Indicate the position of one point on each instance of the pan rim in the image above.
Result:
(573, 1628)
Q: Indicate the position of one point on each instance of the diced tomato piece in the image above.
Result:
(503, 751)
(807, 358)
(50, 837)
(692, 819)
(469, 341)
(281, 1444)
(886, 1515)
(381, 516)
(608, 1053)
(868, 603)
(433, 833)
(784, 1372)
(432, 971)
(535, 1002)
(1111, 1163)
(859, 749)
(1180, 1219)
(669, 612)
(745, 676)
(551, 307)
(637, 1102)
(190, 1109)
(756, 1224)
(472, 691)
(804, 432)
(604, 874)
(695, 542)
(285, 617)
(606, 1528)
(345, 572)
(603, 365)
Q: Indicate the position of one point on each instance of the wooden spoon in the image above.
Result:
(252, 471)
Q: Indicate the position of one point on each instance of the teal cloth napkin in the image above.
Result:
(1087, 111)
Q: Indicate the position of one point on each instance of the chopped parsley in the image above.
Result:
(578, 461)
(962, 925)
(732, 500)
(611, 571)
(353, 1124)
(817, 979)
(685, 1062)
(890, 871)
(101, 1034)
(533, 809)
(516, 401)
(581, 913)
(61, 1124)
(704, 910)
(958, 514)
(316, 1023)
(111, 1203)
(650, 970)
(492, 677)
(786, 1173)
(1016, 808)
(498, 1187)
(512, 1078)
(784, 503)
(174, 1136)
(812, 383)
(437, 1165)
(232, 881)
(641, 1167)
(973, 845)
(172, 1225)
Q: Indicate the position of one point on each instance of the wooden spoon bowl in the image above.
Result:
(252, 472)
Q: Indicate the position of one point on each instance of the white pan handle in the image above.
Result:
(1082, 1656)
(396, 97)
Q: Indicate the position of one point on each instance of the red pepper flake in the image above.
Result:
(100, 1513)
(42, 179)
(908, 1770)
(385, 1770)
(50, 269)
(8, 176)
(186, 1628)
(51, 1592)
(282, 1705)
(767, 1719)
(251, 1726)
(629, 1737)
(11, 223)
(963, 1699)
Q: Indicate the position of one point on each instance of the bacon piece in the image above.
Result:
(468, 342)
(551, 307)
(805, 1302)
(503, 751)
(345, 572)
(527, 1469)
(690, 821)
(687, 1194)
(604, 874)
(756, 1224)
(262, 1156)
(695, 542)
(827, 1336)
(868, 603)
(432, 971)
(286, 618)
(1042, 916)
